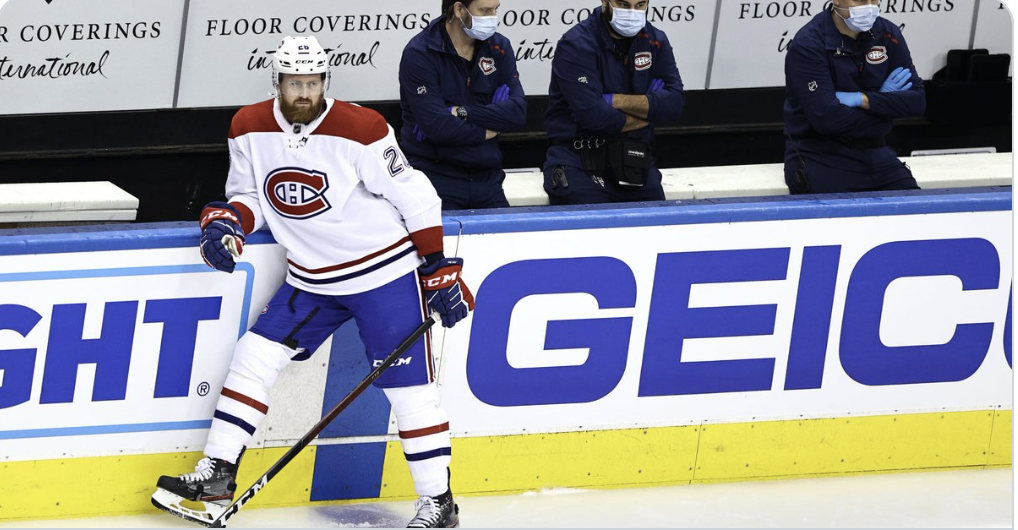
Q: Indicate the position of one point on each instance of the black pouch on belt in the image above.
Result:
(629, 160)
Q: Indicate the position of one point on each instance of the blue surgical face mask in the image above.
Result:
(861, 18)
(481, 28)
(628, 22)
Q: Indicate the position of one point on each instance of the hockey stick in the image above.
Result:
(232, 510)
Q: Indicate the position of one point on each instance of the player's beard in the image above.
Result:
(295, 113)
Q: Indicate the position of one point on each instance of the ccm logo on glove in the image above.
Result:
(211, 214)
(442, 280)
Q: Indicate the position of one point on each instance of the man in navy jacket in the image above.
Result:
(848, 74)
(613, 79)
(459, 89)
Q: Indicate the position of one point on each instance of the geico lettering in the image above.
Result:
(111, 352)
(671, 321)
(1007, 330)
(867, 360)
(494, 381)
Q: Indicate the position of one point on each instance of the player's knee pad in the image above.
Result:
(259, 359)
(417, 407)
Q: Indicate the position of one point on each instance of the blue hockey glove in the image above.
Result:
(850, 99)
(897, 80)
(609, 99)
(501, 94)
(445, 291)
(222, 238)
(656, 86)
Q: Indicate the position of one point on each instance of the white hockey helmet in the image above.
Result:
(300, 56)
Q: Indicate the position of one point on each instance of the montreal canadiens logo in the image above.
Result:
(487, 65)
(876, 55)
(643, 61)
(297, 193)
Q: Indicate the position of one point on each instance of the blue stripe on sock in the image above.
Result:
(417, 457)
(220, 415)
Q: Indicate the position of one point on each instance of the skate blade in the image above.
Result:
(203, 513)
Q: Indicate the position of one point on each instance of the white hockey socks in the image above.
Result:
(424, 433)
(244, 400)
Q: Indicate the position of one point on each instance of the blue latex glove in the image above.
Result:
(219, 221)
(897, 80)
(501, 94)
(656, 85)
(850, 99)
(445, 291)
(609, 99)
(418, 133)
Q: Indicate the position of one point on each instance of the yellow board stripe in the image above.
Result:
(82, 487)
(843, 445)
(574, 459)
(1001, 439)
(707, 453)
(719, 452)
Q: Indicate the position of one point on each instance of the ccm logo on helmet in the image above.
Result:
(297, 193)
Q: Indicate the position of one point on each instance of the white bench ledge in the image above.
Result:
(931, 172)
(64, 196)
(63, 216)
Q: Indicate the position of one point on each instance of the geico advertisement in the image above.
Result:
(674, 325)
(119, 349)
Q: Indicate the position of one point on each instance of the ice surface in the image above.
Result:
(967, 498)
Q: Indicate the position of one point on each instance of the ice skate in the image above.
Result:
(436, 512)
(200, 497)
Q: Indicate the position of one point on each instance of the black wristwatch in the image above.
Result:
(461, 113)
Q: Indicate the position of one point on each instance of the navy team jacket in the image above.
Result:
(588, 64)
(822, 61)
(432, 78)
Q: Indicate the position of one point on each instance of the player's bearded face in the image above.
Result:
(302, 97)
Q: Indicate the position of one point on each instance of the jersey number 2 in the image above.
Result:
(395, 161)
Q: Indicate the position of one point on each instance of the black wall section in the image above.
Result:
(175, 161)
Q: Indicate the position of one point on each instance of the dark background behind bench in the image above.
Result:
(176, 160)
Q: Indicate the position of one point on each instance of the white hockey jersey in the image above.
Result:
(337, 193)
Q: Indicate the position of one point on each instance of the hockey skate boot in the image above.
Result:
(436, 512)
(200, 497)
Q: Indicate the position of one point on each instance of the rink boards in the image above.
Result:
(686, 342)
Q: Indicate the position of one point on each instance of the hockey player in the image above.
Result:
(363, 235)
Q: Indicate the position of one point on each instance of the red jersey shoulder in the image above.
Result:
(359, 124)
(254, 118)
